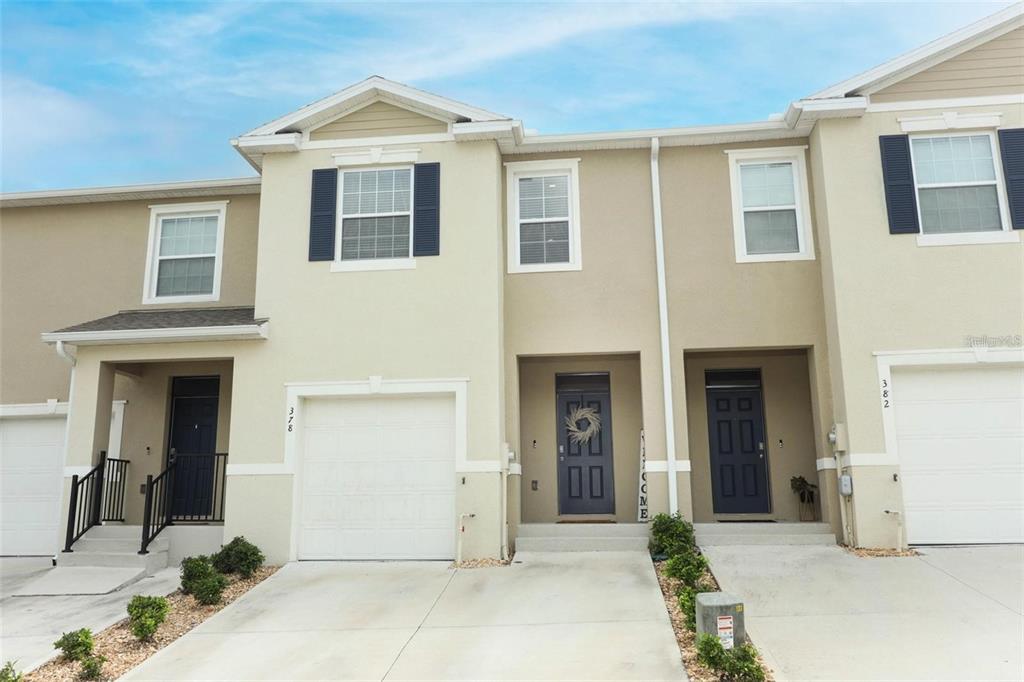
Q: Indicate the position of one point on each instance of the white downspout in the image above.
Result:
(666, 351)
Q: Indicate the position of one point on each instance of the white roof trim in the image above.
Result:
(928, 55)
(163, 190)
(236, 332)
(372, 88)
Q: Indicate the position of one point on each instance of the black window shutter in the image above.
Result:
(898, 177)
(323, 207)
(1011, 144)
(426, 210)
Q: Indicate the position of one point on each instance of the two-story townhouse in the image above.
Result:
(423, 332)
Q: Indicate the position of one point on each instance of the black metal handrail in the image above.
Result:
(156, 515)
(85, 503)
(199, 488)
(115, 478)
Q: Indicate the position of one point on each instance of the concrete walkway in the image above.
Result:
(953, 613)
(581, 615)
(29, 625)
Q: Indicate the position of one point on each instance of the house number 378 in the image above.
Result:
(885, 393)
(291, 419)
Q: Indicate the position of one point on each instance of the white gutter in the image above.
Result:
(217, 333)
(666, 350)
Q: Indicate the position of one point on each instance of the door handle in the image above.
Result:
(760, 449)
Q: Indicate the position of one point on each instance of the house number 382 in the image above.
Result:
(291, 419)
(885, 393)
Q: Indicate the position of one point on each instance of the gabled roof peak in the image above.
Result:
(375, 88)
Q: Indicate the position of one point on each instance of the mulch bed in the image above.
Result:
(686, 639)
(481, 563)
(124, 651)
(880, 553)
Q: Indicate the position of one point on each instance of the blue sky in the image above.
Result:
(122, 93)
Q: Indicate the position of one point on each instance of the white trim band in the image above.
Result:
(171, 334)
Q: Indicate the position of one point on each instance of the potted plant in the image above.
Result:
(805, 490)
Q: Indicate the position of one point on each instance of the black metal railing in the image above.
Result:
(199, 488)
(115, 477)
(156, 515)
(96, 497)
(190, 490)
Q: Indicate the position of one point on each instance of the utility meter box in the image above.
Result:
(721, 615)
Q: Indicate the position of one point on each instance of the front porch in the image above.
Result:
(751, 432)
(159, 471)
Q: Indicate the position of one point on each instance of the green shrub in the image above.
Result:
(194, 569)
(92, 667)
(739, 663)
(146, 614)
(208, 590)
(671, 535)
(688, 605)
(9, 673)
(238, 556)
(687, 566)
(75, 645)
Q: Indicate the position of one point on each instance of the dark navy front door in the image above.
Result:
(739, 470)
(585, 480)
(192, 444)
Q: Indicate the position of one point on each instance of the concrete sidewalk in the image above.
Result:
(815, 613)
(579, 615)
(29, 625)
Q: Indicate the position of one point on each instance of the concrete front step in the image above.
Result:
(753, 528)
(581, 544)
(115, 531)
(94, 544)
(580, 530)
(151, 562)
(770, 539)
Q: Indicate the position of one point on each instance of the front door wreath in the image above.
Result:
(578, 435)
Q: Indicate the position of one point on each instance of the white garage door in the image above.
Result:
(378, 478)
(31, 470)
(960, 434)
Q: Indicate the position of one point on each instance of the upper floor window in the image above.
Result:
(771, 211)
(186, 243)
(543, 216)
(376, 214)
(957, 183)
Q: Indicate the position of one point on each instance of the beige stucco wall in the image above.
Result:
(993, 68)
(61, 265)
(539, 428)
(716, 303)
(377, 119)
(785, 388)
(610, 306)
(886, 293)
(439, 320)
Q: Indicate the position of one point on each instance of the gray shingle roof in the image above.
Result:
(169, 319)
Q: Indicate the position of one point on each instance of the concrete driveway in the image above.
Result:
(819, 612)
(581, 615)
(29, 625)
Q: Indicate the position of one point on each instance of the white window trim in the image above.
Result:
(519, 169)
(1003, 236)
(374, 264)
(159, 211)
(804, 232)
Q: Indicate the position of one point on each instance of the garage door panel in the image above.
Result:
(31, 475)
(388, 465)
(960, 442)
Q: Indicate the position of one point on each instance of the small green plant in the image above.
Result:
(803, 488)
(9, 673)
(208, 590)
(92, 667)
(687, 566)
(238, 556)
(75, 645)
(737, 664)
(146, 614)
(671, 535)
(194, 569)
(687, 597)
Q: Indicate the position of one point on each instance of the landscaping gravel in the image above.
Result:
(124, 651)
